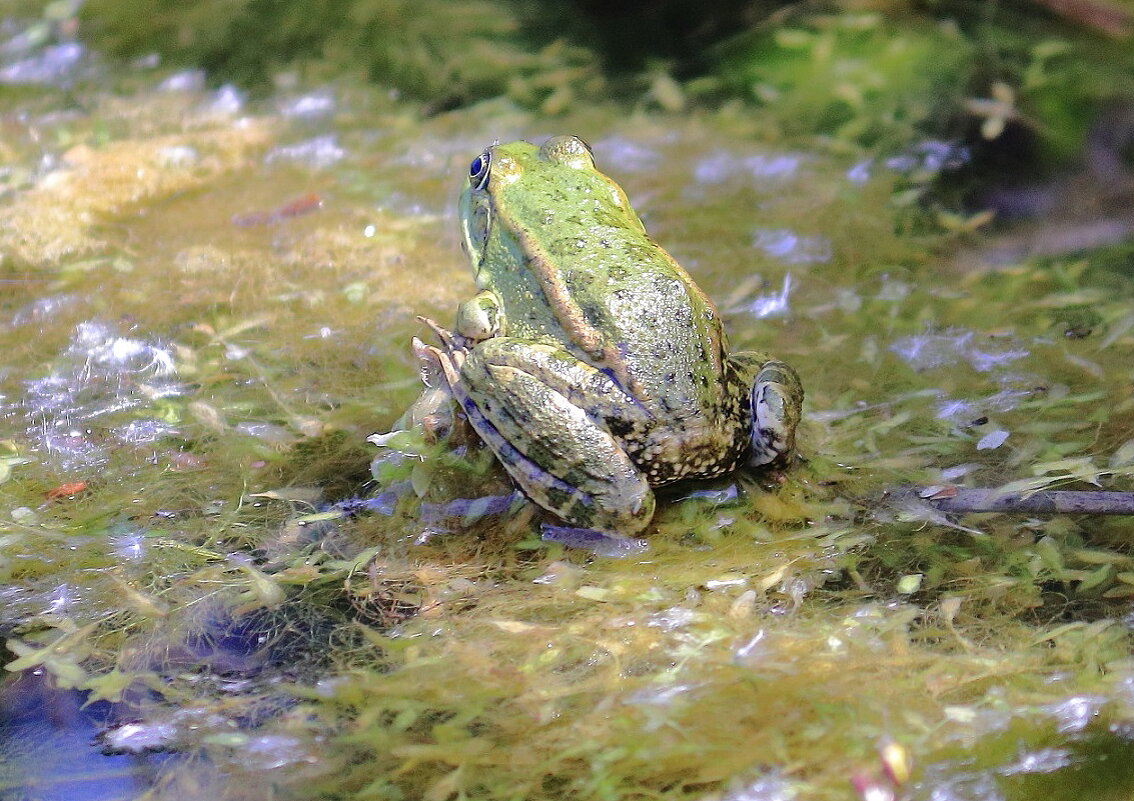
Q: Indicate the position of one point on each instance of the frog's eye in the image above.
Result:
(570, 151)
(478, 171)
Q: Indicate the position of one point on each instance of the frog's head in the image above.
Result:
(515, 189)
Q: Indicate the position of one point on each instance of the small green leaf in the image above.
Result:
(1123, 455)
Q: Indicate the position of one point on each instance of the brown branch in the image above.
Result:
(1049, 502)
(1106, 18)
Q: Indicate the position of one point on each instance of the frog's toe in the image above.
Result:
(599, 543)
(777, 401)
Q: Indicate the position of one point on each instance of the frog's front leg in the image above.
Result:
(542, 413)
(776, 398)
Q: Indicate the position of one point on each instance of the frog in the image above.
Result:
(589, 361)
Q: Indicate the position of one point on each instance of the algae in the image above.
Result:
(208, 306)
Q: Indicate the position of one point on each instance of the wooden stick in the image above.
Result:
(1048, 502)
(1108, 18)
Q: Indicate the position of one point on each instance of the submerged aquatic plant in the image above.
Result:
(190, 536)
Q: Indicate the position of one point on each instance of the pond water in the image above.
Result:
(207, 308)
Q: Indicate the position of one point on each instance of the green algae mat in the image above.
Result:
(214, 586)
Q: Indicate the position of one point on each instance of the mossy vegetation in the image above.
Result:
(208, 309)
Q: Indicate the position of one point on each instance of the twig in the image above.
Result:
(1051, 502)
(1107, 18)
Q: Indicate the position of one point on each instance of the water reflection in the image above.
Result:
(48, 747)
(98, 375)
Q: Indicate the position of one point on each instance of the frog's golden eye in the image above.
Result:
(478, 171)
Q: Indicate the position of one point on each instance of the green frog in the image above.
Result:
(589, 361)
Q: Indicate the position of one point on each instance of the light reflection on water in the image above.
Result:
(932, 350)
(318, 153)
(788, 247)
(48, 750)
(99, 374)
(52, 65)
(721, 166)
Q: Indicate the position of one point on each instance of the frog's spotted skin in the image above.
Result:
(589, 361)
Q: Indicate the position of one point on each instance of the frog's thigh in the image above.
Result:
(587, 387)
(777, 401)
(562, 458)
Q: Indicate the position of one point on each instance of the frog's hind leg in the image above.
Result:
(772, 397)
(777, 401)
(563, 456)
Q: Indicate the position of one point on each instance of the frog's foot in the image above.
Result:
(563, 458)
(597, 542)
(450, 340)
(777, 401)
(439, 366)
(434, 409)
(434, 363)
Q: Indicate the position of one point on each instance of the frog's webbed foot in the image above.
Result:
(451, 341)
(439, 366)
(777, 405)
(597, 542)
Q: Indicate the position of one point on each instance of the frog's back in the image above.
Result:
(601, 272)
(618, 301)
(665, 329)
